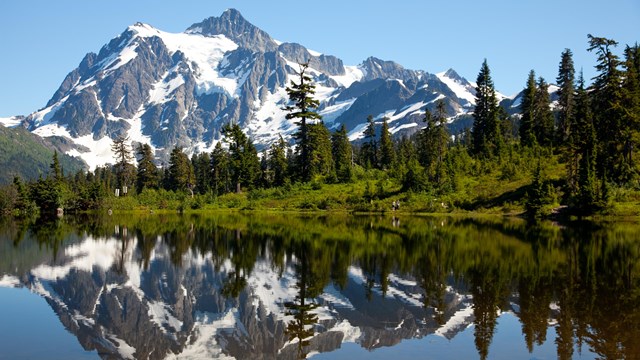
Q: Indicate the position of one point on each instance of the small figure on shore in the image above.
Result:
(393, 205)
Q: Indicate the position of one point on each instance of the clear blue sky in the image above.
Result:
(42, 40)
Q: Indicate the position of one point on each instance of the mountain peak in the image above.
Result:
(235, 27)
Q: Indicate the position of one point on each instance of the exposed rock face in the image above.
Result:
(180, 89)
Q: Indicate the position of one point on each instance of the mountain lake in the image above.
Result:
(290, 286)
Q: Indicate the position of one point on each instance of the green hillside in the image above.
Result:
(28, 156)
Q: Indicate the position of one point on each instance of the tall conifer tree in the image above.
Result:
(566, 93)
(303, 111)
(487, 135)
(527, 136)
(387, 152)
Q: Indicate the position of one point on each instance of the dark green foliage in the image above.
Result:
(487, 134)
(202, 171)
(244, 165)
(180, 175)
(302, 110)
(278, 162)
(369, 149)
(527, 122)
(543, 117)
(342, 155)
(566, 92)
(536, 196)
(321, 161)
(606, 100)
(148, 176)
(220, 170)
(125, 171)
(435, 143)
(387, 152)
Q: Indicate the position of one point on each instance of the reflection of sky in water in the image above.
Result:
(507, 344)
(30, 330)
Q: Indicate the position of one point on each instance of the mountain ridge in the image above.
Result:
(179, 89)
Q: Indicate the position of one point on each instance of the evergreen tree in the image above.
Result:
(180, 176)
(56, 169)
(543, 117)
(631, 107)
(527, 137)
(608, 113)
(125, 170)
(147, 177)
(487, 139)
(342, 155)
(566, 93)
(387, 152)
(369, 150)
(220, 172)
(202, 170)
(302, 110)
(587, 195)
(435, 142)
(321, 160)
(244, 164)
(278, 162)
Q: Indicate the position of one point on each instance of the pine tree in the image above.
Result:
(220, 172)
(321, 160)
(435, 139)
(631, 107)
(607, 107)
(387, 152)
(202, 171)
(369, 150)
(244, 163)
(147, 176)
(56, 170)
(487, 139)
(125, 171)
(278, 162)
(543, 117)
(180, 176)
(342, 155)
(566, 93)
(527, 137)
(302, 110)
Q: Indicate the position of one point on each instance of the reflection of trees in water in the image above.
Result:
(589, 275)
(310, 282)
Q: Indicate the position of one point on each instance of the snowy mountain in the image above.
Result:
(179, 89)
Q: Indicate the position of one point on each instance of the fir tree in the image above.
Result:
(342, 155)
(219, 168)
(387, 152)
(631, 107)
(302, 110)
(487, 139)
(244, 163)
(56, 170)
(180, 175)
(543, 117)
(566, 92)
(435, 142)
(607, 107)
(278, 162)
(147, 176)
(202, 171)
(321, 161)
(527, 137)
(125, 171)
(369, 150)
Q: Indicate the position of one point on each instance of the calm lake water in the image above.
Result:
(322, 287)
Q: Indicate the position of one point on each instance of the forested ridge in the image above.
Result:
(575, 155)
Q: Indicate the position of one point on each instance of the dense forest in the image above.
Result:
(576, 154)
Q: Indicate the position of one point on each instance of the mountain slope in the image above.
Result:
(170, 90)
(28, 156)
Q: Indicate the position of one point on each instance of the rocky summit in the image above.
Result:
(179, 89)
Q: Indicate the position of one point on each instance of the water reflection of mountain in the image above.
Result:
(194, 291)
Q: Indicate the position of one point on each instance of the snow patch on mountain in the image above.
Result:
(461, 318)
(10, 121)
(461, 90)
